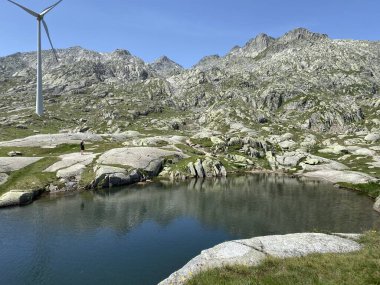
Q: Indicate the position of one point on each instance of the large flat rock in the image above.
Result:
(336, 176)
(75, 170)
(323, 164)
(253, 251)
(9, 164)
(71, 159)
(51, 140)
(294, 245)
(135, 157)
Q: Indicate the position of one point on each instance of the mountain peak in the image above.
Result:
(260, 42)
(163, 58)
(254, 46)
(121, 52)
(302, 34)
(165, 66)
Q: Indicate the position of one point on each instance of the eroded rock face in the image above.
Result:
(207, 168)
(251, 252)
(108, 176)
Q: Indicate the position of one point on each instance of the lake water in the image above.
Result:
(142, 233)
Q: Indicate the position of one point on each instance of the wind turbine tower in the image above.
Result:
(40, 18)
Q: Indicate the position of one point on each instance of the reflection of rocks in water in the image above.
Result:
(244, 206)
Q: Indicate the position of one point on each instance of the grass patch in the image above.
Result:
(355, 268)
(205, 142)
(87, 176)
(188, 149)
(31, 177)
(181, 165)
(371, 189)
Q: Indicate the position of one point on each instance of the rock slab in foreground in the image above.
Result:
(253, 251)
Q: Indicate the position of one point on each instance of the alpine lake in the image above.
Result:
(140, 234)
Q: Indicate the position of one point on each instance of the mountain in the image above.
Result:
(300, 82)
(165, 67)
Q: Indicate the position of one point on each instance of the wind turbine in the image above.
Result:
(40, 18)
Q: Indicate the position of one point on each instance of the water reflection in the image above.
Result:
(243, 206)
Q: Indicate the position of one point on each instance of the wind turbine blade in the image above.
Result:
(48, 9)
(47, 33)
(26, 9)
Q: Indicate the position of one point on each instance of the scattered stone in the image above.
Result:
(3, 178)
(14, 153)
(290, 159)
(372, 137)
(288, 144)
(323, 164)
(344, 157)
(335, 149)
(84, 129)
(262, 119)
(364, 151)
(22, 127)
(312, 161)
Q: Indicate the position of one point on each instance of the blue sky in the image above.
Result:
(184, 30)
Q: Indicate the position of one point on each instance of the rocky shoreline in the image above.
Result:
(130, 157)
(251, 252)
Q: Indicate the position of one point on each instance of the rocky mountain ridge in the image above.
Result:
(303, 80)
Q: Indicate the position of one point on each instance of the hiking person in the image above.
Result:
(82, 147)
